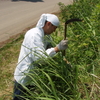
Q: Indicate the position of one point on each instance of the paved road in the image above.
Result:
(17, 15)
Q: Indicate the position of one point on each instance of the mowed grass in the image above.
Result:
(8, 61)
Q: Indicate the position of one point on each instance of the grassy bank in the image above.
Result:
(8, 60)
(56, 79)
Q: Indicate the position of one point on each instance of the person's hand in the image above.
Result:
(63, 45)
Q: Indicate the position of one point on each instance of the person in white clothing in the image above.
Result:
(35, 44)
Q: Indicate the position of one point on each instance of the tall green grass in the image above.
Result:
(78, 79)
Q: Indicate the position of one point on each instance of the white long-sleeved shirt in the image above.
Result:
(34, 44)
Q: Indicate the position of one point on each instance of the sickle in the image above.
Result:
(65, 34)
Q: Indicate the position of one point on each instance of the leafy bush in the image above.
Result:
(77, 79)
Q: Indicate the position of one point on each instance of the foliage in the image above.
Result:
(8, 59)
(84, 37)
(53, 79)
(76, 78)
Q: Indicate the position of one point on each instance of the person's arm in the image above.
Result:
(34, 47)
(56, 49)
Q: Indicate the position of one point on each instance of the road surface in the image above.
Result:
(17, 15)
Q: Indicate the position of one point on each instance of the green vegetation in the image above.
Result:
(56, 79)
(8, 60)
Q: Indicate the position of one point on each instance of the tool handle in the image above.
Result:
(66, 23)
(64, 52)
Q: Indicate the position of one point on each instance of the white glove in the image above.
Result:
(63, 45)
